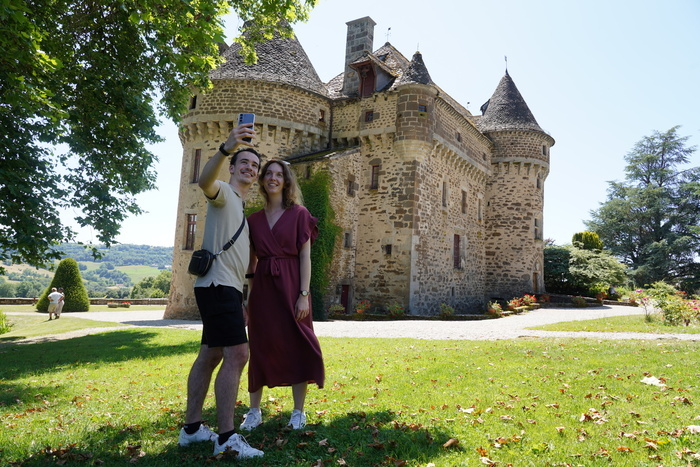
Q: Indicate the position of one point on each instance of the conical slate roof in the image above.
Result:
(507, 110)
(416, 72)
(279, 60)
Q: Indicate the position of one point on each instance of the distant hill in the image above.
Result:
(122, 254)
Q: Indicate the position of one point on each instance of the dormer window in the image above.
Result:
(368, 80)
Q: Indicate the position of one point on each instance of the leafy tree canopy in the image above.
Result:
(587, 240)
(651, 221)
(91, 78)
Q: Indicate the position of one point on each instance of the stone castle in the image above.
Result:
(436, 205)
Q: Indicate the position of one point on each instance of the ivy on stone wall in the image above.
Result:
(316, 192)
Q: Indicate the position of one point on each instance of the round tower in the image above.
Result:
(514, 194)
(292, 110)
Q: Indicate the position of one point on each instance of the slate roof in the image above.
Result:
(416, 72)
(507, 110)
(279, 60)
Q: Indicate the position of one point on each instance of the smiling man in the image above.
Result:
(219, 296)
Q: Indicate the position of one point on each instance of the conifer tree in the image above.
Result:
(68, 277)
(588, 240)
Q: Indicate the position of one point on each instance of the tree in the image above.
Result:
(588, 240)
(652, 220)
(67, 277)
(573, 270)
(81, 87)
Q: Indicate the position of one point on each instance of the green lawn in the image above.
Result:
(118, 397)
(630, 323)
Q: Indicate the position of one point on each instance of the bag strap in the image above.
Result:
(230, 243)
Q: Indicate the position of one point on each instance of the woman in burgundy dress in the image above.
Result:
(284, 350)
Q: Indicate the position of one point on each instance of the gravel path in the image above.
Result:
(510, 327)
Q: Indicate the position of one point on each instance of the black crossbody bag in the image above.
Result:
(201, 260)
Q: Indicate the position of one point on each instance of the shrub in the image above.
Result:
(579, 301)
(336, 309)
(112, 305)
(446, 310)
(529, 300)
(494, 309)
(5, 326)
(362, 306)
(395, 310)
(514, 303)
(68, 277)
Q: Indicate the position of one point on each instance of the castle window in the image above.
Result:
(369, 116)
(191, 229)
(539, 182)
(351, 186)
(193, 102)
(458, 136)
(479, 210)
(322, 116)
(422, 108)
(197, 159)
(456, 249)
(464, 202)
(347, 240)
(444, 194)
(538, 235)
(374, 178)
(387, 249)
(544, 150)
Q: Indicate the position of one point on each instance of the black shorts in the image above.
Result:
(221, 309)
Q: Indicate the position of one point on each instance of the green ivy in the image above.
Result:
(316, 192)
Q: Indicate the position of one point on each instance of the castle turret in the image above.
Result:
(515, 194)
(292, 111)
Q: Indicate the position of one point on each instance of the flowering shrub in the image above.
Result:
(544, 298)
(494, 309)
(446, 310)
(363, 306)
(529, 300)
(395, 310)
(336, 309)
(514, 303)
(600, 296)
(579, 301)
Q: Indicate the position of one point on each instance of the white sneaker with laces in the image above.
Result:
(237, 443)
(252, 419)
(298, 420)
(202, 434)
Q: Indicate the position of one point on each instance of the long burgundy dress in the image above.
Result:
(283, 351)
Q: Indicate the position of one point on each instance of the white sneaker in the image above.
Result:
(237, 443)
(252, 419)
(298, 420)
(202, 434)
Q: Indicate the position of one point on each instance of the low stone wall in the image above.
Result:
(93, 301)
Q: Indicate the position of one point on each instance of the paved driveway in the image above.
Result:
(491, 329)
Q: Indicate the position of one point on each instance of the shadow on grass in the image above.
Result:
(95, 349)
(354, 439)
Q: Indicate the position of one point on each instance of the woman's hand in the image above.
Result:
(302, 307)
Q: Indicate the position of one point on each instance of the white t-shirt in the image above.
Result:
(54, 297)
(224, 217)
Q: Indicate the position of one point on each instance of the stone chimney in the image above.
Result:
(360, 40)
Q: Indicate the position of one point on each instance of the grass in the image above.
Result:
(631, 323)
(118, 397)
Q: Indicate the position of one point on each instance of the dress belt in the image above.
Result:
(274, 264)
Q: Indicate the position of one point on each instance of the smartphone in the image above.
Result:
(246, 118)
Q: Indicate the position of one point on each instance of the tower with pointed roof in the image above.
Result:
(515, 193)
(436, 205)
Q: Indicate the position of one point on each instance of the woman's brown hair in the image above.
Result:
(291, 194)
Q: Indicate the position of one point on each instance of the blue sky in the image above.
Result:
(597, 75)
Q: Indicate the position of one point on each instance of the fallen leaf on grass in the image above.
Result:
(624, 449)
(452, 442)
(653, 381)
(694, 429)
